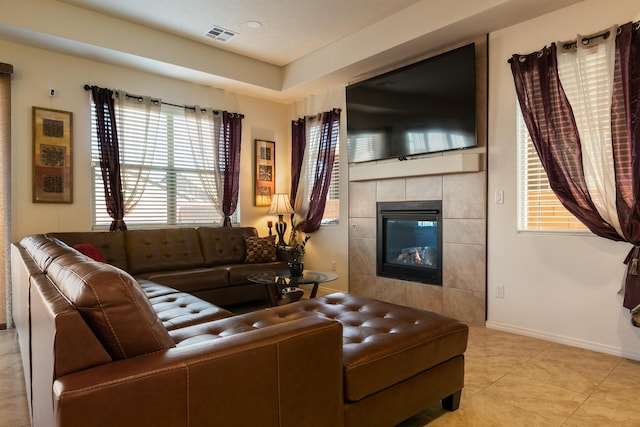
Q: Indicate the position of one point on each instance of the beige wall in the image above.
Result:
(37, 71)
(559, 287)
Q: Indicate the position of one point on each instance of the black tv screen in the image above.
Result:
(421, 108)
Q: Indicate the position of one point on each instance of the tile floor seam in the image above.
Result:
(578, 408)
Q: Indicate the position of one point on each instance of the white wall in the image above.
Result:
(558, 287)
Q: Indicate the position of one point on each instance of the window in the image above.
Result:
(538, 207)
(173, 194)
(332, 208)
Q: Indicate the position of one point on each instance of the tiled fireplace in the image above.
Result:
(458, 179)
(463, 291)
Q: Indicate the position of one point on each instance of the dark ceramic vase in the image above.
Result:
(296, 268)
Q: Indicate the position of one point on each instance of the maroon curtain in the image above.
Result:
(550, 122)
(298, 144)
(626, 143)
(329, 134)
(109, 155)
(232, 138)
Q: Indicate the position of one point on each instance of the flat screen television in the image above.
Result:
(420, 108)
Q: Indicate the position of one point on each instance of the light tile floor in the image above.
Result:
(510, 380)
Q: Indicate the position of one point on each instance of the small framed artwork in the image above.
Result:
(52, 156)
(265, 172)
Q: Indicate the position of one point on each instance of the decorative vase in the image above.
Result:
(296, 268)
(292, 294)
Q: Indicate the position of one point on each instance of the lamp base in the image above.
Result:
(281, 228)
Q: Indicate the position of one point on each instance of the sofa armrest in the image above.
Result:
(288, 374)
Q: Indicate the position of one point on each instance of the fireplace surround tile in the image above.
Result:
(360, 196)
(362, 228)
(470, 231)
(424, 188)
(426, 297)
(463, 196)
(362, 256)
(464, 239)
(467, 305)
(391, 190)
(464, 267)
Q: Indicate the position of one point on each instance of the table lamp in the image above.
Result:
(280, 205)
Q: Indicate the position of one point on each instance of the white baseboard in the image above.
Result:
(587, 345)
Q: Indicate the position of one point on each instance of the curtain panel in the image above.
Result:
(141, 121)
(298, 143)
(316, 142)
(107, 134)
(6, 71)
(229, 161)
(590, 155)
(204, 129)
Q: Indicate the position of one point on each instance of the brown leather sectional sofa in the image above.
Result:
(208, 262)
(100, 348)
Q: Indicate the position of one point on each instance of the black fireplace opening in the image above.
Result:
(409, 241)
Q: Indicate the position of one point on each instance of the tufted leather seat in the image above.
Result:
(180, 309)
(383, 343)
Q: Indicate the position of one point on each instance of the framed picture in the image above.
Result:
(52, 156)
(265, 172)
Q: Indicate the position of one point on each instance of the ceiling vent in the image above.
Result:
(220, 34)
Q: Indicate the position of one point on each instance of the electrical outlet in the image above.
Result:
(334, 266)
(498, 197)
(499, 291)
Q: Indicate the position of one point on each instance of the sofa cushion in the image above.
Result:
(260, 249)
(238, 273)
(190, 280)
(163, 249)
(112, 303)
(109, 243)
(43, 250)
(152, 289)
(224, 245)
(181, 309)
(89, 250)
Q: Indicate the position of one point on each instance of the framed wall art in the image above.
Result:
(52, 156)
(265, 172)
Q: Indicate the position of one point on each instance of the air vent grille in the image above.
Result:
(220, 34)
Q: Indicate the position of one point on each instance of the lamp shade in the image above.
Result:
(280, 204)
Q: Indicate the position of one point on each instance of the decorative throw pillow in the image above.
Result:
(261, 249)
(89, 250)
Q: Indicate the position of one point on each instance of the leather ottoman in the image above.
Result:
(396, 360)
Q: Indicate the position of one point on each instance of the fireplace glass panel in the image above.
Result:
(412, 243)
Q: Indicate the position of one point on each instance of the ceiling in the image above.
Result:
(301, 48)
(290, 29)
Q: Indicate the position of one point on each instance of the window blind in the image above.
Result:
(173, 194)
(538, 207)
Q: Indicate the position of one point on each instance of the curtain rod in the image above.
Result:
(585, 40)
(335, 109)
(188, 107)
